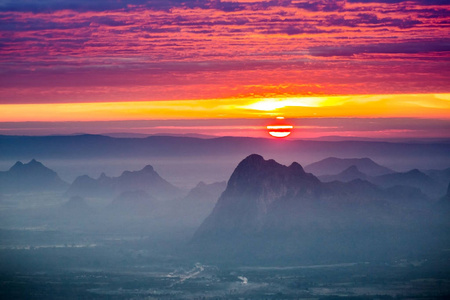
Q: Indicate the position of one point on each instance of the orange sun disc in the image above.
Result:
(279, 131)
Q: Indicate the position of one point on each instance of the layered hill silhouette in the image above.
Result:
(333, 165)
(30, 177)
(413, 179)
(146, 180)
(349, 174)
(272, 210)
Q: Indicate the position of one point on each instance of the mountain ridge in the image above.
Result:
(31, 176)
(146, 180)
(349, 174)
(334, 165)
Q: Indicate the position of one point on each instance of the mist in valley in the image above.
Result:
(218, 224)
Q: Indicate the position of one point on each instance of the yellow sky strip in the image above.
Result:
(402, 105)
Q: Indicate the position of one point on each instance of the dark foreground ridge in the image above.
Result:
(274, 212)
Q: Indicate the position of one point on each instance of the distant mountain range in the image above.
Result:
(333, 165)
(266, 210)
(146, 180)
(266, 203)
(413, 178)
(380, 175)
(400, 155)
(30, 177)
(349, 174)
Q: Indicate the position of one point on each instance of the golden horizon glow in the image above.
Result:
(371, 106)
(271, 104)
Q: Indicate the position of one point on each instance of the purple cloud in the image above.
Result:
(410, 47)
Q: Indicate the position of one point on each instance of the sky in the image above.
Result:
(367, 68)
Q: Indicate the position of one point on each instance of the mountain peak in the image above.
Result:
(349, 174)
(33, 165)
(146, 179)
(415, 172)
(17, 165)
(255, 168)
(334, 166)
(254, 187)
(296, 167)
(31, 176)
(353, 171)
(148, 168)
(252, 159)
(201, 184)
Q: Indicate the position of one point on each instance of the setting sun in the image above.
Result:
(280, 129)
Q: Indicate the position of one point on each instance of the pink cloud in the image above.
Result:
(87, 51)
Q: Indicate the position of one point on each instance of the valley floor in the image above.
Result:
(121, 267)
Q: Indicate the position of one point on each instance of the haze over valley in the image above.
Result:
(239, 225)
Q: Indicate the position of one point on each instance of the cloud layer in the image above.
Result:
(90, 51)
